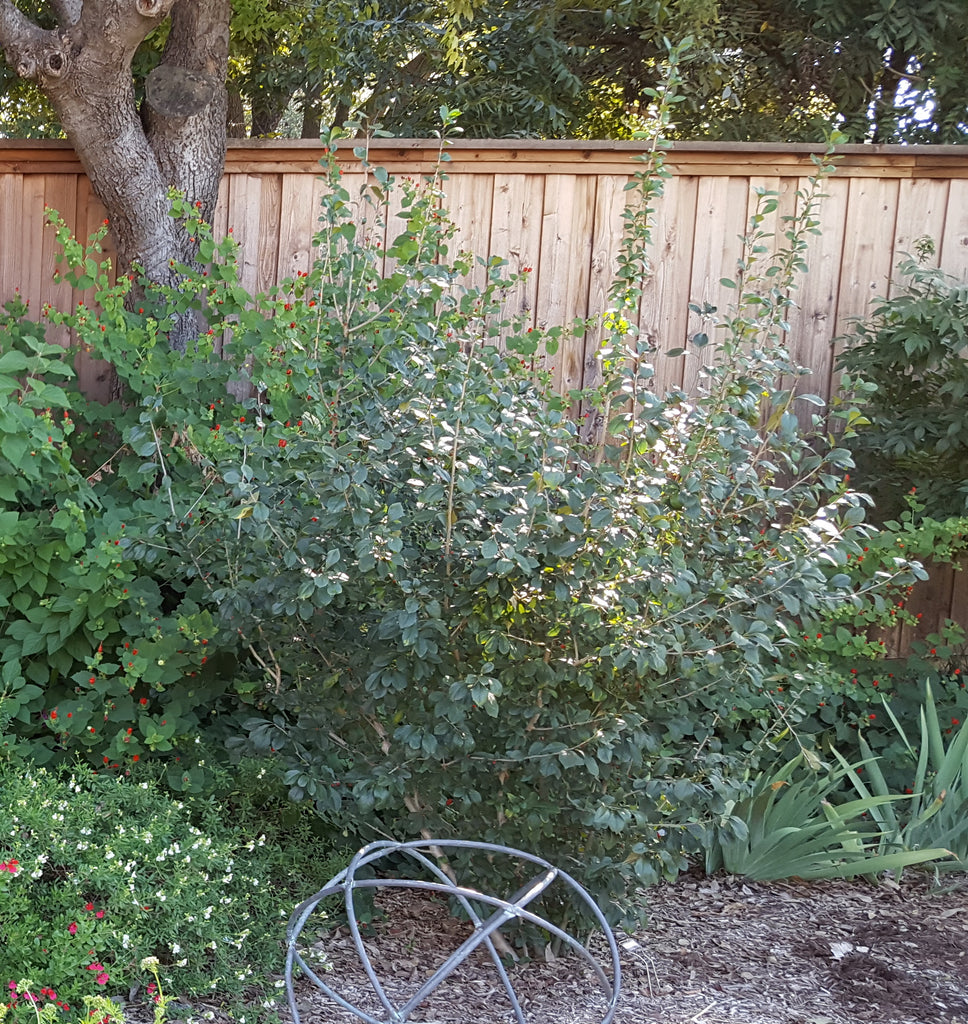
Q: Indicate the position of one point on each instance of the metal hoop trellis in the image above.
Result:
(505, 910)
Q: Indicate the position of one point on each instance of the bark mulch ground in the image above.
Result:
(715, 951)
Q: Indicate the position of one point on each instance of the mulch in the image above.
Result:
(715, 950)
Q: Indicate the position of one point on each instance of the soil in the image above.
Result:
(715, 951)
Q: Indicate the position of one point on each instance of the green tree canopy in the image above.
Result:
(771, 70)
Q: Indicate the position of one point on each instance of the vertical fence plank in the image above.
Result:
(563, 287)
(470, 199)
(295, 226)
(11, 233)
(958, 610)
(921, 206)
(954, 239)
(516, 237)
(867, 257)
(813, 319)
(721, 206)
(664, 309)
(243, 204)
(608, 233)
(32, 285)
(60, 194)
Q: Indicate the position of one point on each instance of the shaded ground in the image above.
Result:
(716, 951)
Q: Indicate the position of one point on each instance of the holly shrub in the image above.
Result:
(355, 533)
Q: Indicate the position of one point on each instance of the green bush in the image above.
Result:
(907, 365)
(393, 567)
(849, 658)
(101, 873)
(459, 619)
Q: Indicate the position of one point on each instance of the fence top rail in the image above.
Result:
(525, 156)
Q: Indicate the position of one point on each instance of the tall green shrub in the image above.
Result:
(459, 621)
(394, 568)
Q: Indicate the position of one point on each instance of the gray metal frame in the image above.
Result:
(423, 852)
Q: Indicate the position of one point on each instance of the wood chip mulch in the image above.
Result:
(714, 951)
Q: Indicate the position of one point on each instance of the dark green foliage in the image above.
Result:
(887, 71)
(907, 364)
(391, 567)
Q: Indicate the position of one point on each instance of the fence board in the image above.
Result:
(243, 206)
(516, 236)
(470, 199)
(813, 320)
(664, 310)
(606, 241)
(920, 212)
(954, 240)
(721, 212)
(566, 240)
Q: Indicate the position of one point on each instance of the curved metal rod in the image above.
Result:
(346, 882)
(435, 869)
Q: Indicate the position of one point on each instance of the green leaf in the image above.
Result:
(13, 362)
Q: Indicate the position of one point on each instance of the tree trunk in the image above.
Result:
(312, 115)
(84, 67)
(236, 113)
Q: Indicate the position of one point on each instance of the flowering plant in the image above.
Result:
(101, 873)
(27, 1004)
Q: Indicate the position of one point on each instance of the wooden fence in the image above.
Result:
(556, 207)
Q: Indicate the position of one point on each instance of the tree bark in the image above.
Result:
(84, 67)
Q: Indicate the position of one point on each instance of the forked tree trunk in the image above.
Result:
(133, 161)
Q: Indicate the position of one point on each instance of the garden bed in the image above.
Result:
(716, 951)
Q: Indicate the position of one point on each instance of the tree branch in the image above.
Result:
(116, 28)
(190, 140)
(22, 41)
(67, 12)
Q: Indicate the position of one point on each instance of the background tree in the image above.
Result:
(784, 70)
(139, 85)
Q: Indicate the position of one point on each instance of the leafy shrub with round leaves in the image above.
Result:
(435, 606)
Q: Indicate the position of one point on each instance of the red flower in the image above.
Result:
(72, 928)
(88, 906)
